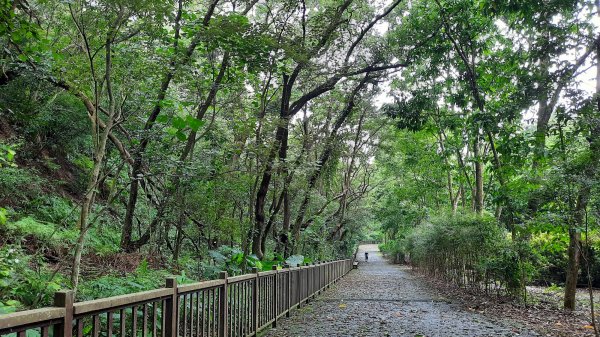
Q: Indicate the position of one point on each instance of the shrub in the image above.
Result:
(551, 249)
(103, 239)
(51, 120)
(24, 282)
(395, 248)
(3, 216)
(232, 260)
(18, 186)
(473, 251)
(47, 233)
(144, 278)
(54, 209)
(7, 155)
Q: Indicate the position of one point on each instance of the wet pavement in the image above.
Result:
(381, 299)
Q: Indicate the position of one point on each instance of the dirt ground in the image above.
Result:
(541, 313)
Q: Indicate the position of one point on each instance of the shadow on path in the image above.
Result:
(381, 299)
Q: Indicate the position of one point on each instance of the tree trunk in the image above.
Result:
(347, 181)
(478, 198)
(287, 216)
(284, 173)
(137, 166)
(543, 118)
(100, 141)
(327, 152)
(263, 189)
(573, 253)
(590, 173)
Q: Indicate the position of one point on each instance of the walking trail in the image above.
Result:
(381, 299)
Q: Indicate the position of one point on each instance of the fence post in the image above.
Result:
(332, 273)
(309, 281)
(318, 277)
(328, 274)
(334, 270)
(275, 297)
(307, 272)
(323, 272)
(255, 301)
(64, 299)
(171, 309)
(333, 266)
(224, 310)
(289, 289)
(324, 275)
(313, 277)
(299, 285)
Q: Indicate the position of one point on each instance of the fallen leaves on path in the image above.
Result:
(542, 317)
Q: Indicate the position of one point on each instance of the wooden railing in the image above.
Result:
(229, 306)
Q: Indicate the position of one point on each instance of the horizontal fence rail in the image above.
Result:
(226, 307)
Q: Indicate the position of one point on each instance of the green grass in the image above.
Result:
(46, 232)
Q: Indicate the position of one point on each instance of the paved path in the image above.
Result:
(380, 299)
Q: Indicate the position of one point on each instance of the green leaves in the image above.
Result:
(7, 155)
(194, 123)
(233, 259)
(3, 216)
(9, 306)
(411, 113)
(177, 125)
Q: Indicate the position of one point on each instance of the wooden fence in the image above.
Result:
(229, 306)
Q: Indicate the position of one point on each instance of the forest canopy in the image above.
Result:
(144, 138)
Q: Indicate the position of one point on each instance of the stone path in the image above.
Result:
(381, 299)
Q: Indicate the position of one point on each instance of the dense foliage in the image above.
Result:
(143, 138)
(498, 116)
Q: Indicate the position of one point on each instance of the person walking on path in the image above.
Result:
(366, 256)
